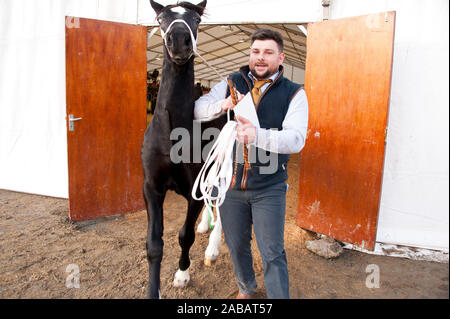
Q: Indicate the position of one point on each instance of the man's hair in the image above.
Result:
(268, 34)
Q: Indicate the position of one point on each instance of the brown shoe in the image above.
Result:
(244, 296)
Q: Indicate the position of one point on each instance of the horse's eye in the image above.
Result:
(198, 20)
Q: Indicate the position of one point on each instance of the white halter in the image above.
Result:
(194, 39)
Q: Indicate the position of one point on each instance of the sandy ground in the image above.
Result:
(38, 242)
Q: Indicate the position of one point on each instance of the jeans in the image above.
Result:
(265, 209)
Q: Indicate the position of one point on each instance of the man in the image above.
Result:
(198, 91)
(255, 197)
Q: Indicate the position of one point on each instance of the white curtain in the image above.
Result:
(33, 151)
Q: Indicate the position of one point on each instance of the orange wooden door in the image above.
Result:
(106, 69)
(348, 78)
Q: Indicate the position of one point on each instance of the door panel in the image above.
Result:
(105, 87)
(348, 77)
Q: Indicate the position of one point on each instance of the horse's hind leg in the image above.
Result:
(215, 238)
(203, 226)
(154, 244)
(186, 237)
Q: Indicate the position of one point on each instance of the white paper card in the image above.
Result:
(246, 108)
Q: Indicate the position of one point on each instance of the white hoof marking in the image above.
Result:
(181, 278)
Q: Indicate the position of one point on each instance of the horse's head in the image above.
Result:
(179, 26)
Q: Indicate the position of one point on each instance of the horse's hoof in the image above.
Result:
(210, 261)
(181, 278)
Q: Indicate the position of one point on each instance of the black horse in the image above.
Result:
(174, 109)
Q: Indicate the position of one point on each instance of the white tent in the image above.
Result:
(414, 201)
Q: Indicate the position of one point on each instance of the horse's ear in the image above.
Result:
(201, 6)
(156, 6)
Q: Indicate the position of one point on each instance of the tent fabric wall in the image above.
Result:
(246, 11)
(33, 156)
(414, 202)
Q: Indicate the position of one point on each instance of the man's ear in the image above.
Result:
(202, 6)
(282, 56)
(156, 6)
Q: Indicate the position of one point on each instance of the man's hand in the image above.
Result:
(246, 132)
(228, 103)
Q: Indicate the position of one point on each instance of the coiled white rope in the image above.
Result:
(215, 177)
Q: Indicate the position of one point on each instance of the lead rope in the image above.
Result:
(220, 165)
(215, 176)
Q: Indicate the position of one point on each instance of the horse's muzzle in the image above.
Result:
(181, 60)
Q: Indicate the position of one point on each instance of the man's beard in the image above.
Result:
(266, 74)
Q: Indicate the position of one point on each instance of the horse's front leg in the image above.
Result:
(186, 237)
(154, 244)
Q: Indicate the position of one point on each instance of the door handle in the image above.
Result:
(72, 120)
